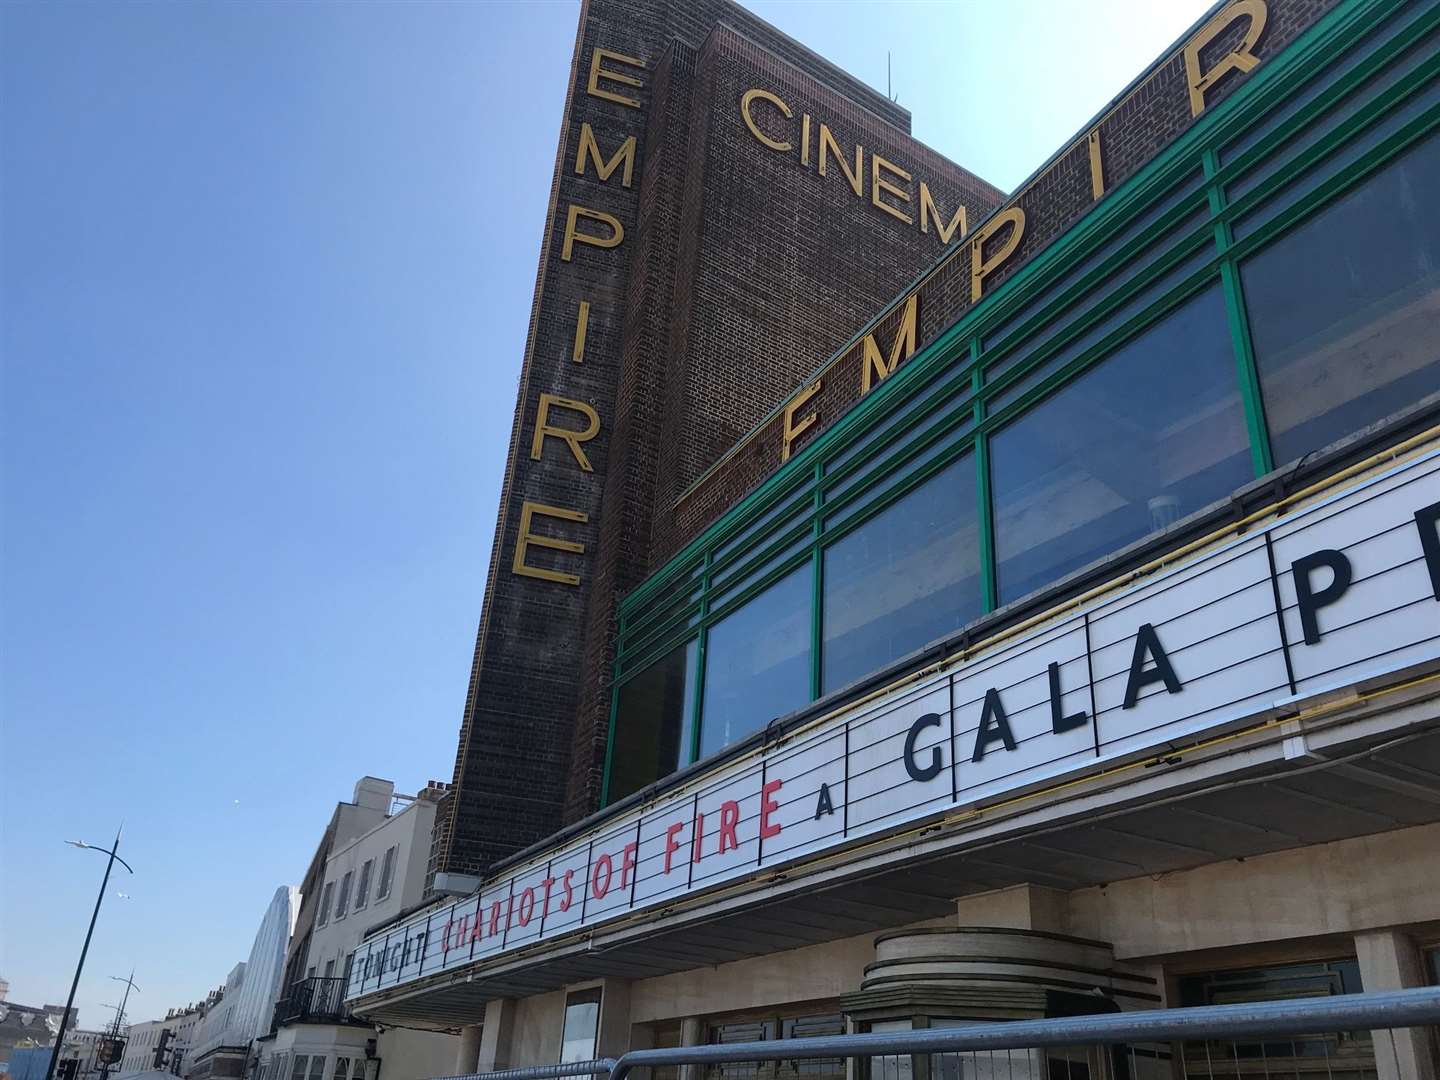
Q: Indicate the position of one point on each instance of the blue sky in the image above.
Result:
(265, 273)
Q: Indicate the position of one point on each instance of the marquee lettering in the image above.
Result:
(1324, 582)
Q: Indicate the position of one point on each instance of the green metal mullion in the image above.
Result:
(610, 742)
(1137, 324)
(697, 720)
(1101, 310)
(942, 430)
(817, 594)
(1381, 156)
(1324, 148)
(1251, 102)
(939, 397)
(1261, 458)
(1074, 291)
(989, 591)
(1325, 102)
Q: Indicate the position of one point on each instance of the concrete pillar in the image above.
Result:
(1389, 961)
(692, 1033)
(467, 1053)
(497, 1035)
(612, 1037)
(1019, 907)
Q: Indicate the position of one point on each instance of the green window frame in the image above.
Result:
(1331, 111)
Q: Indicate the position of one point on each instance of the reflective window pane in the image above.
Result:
(582, 1021)
(1154, 432)
(653, 723)
(757, 662)
(907, 576)
(1345, 310)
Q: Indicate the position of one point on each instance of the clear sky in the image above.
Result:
(265, 273)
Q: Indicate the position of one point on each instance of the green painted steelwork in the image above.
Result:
(1172, 218)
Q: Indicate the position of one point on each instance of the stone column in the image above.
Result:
(692, 1033)
(1389, 961)
(497, 1035)
(612, 1037)
(467, 1053)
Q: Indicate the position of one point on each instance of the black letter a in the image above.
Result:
(1147, 643)
(824, 805)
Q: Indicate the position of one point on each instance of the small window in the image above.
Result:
(387, 874)
(362, 894)
(342, 902)
(582, 1021)
(329, 969)
(317, 1067)
(302, 1062)
(326, 896)
(342, 1069)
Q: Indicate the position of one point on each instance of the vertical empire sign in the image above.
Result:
(523, 686)
(571, 421)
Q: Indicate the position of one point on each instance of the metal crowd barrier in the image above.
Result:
(1269, 1026)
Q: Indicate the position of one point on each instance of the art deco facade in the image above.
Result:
(1065, 637)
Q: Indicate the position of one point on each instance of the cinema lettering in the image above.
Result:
(1341, 591)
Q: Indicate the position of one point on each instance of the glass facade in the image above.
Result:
(757, 662)
(905, 577)
(659, 704)
(1265, 288)
(1155, 432)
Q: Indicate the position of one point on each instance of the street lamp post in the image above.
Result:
(119, 1015)
(70, 1001)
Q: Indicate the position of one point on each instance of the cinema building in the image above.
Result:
(1065, 639)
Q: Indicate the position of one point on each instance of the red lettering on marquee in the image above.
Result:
(729, 818)
(598, 890)
(495, 918)
(627, 862)
(671, 844)
(768, 806)
(545, 906)
(569, 892)
(699, 835)
(527, 905)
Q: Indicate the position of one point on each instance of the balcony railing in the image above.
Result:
(313, 1001)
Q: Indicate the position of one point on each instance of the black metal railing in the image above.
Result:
(315, 1000)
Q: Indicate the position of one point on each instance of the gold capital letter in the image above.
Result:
(572, 438)
(791, 429)
(1097, 165)
(582, 323)
(617, 231)
(625, 155)
(527, 540)
(929, 210)
(597, 72)
(1241, 58)
(879, 184)
(900, 349)
(746, 99)
(828, 141)
(981, 267)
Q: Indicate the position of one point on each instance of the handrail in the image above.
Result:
(1341, 1012)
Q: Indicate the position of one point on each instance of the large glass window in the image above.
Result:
(1154, 432)
(1345, 310)
(582, 1022)
(653, 723)
(907, 576)
(757, 662)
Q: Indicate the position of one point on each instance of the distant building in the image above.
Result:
(222, 1042)
(27, 1026)
(140, 1043)
(368, 869)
